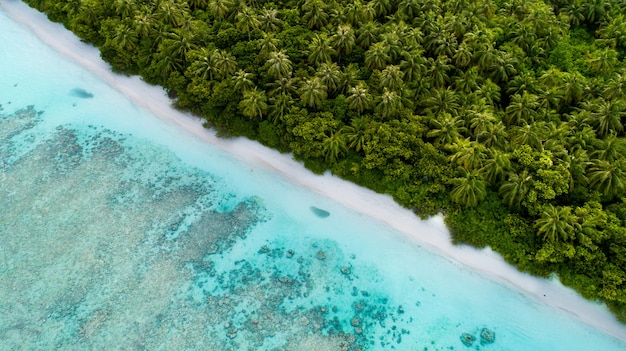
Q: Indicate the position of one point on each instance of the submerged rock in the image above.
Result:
(467, 339)
(319, 212)
(81, 93)
(487, 336)
(321, 255)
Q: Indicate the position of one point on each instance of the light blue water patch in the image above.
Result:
(115, 230)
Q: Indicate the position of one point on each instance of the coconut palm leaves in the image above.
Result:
(609, 178)
(313, 92)
(220, 8)
(320, 49)
(333, 146)
(468, 190)
(330, 75)
(606, 116)
(445, 129)
(360, 99)
(515, 188)
(246, 20)
(557, 223)
(315, 13)
(253, 104)
(279, 65)
(243, 81)
(376, 57)
(343, 40)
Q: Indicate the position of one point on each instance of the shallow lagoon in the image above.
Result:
(117, 228)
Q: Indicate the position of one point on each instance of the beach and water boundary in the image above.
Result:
(433, 232)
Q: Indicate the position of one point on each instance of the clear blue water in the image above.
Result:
(118, 231)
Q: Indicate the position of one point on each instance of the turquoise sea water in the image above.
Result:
(118, 231)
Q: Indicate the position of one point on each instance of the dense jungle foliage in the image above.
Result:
(507, 115)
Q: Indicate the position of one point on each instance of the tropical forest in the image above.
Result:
(507, 116)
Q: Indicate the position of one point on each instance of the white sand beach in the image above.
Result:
(431, 233)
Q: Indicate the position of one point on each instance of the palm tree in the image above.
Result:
(330, 75)
(124, 8)
(445, 129)
(315, 13)
(253, 104)
(594, 10)
(279, 65)
(515, 188)
(442, 43)
(165, 65)
(202, 65)
(268, 43)
(494, 135)
(608, 178)
(441, 100)
(353, 12)
(413, 65)
(521, 83)
(603, 61)
(502, 69)
(283, 86)
(389, 104)
(279, 107)
(489, 91)
(125, 38)
(463, 55)
(467, 81)
(382, 7)
(481, 120)
(557, 223)
(613, 33)
(391, 78)
(313, 92)
(574, 12)
(438, 71)
(392, 41)
(532, 135)
(356, 133)
(224, 62)
(367, 34)
(350, 77)
(320, 49)
(243, 81)
(376, 56)
(467, 154)
(359, 98)
(521, 109)
(220, 8)
(468, 190)
(343, 40)
(177, 45)
(409, 8)
(412, 39)
(495, 166)
(172, 13)
(246, 20)
(606, 116)
(334, 145)
(610, 149)
(616, 87)
(269, 21)
(198, 4)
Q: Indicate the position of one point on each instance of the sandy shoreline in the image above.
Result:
(431, 233)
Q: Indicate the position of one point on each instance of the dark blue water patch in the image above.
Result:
(319, 212)
(81, 93)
